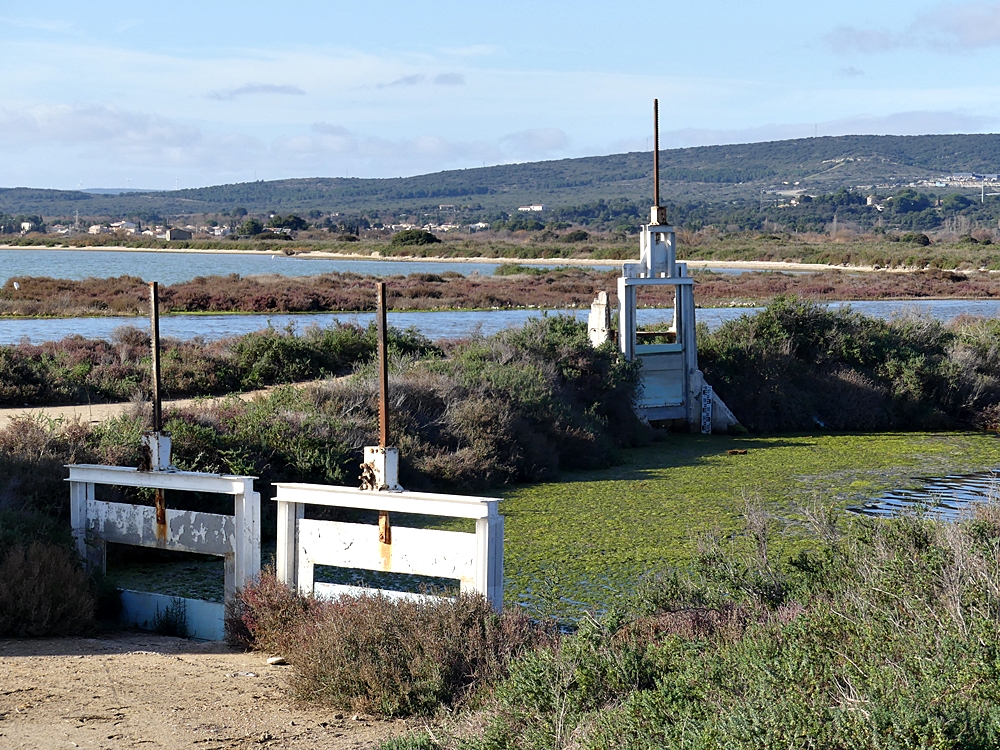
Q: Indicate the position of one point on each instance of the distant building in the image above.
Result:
(178, 234)
(479, 226)
(124, 226)
(532, 207)
(27, 226)
(99, 229)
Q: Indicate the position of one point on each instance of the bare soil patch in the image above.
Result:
(128, 690)
(94, 413)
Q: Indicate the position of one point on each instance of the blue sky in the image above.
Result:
(109, 93)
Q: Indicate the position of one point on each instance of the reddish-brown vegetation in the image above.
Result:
(558, 288)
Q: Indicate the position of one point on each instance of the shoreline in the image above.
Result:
(692, 264)
(761, 265)
(432, 311)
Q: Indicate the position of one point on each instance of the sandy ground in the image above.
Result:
(135, 690)
(91, 413)
(748, 264)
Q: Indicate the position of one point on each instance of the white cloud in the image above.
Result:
(850, 72)
(450, 79)
(968, 25)
(404, 81)
(257, 89)
(852, 39)
(537, 142)
(47, 25)
(949, 27)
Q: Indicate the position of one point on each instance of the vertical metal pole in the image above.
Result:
(383, 371)
(154, 323)
(656, 152)
(384, 526)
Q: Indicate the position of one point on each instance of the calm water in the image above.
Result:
(174, 268)
(945, 498)
(435, 325)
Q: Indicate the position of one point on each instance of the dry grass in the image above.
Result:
(384, 656)
(43, 592)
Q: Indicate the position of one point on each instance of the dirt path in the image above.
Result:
(90, 413)
(140, 690)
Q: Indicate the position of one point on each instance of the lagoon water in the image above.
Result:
(174, 268)
(434, 325)
(944, 498)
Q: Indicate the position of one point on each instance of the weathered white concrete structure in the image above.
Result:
(476, 560)
(671, 381)
(672, 386)
(235, 538)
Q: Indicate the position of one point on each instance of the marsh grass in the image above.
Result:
(390, 657)
(78, 370)
(583, 543)
(43, 592)
(799, 366)
(880, 635)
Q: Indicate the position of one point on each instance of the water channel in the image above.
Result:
(434, 325)
(174, 268)
(177, 267)
(943, 498)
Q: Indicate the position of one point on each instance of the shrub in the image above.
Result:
(78, 370)
(798, 366)
(172, 620)
(517, 406)
(917, 238)
(384, 656)
(883, 635)
(43, 592)
(413, 237)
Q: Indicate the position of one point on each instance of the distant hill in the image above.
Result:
(708, 173)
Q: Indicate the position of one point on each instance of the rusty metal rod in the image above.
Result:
(656, 152)
(154, 324)
(383, 371)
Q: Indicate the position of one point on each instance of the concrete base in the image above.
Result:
(336, 590)
(206, 621)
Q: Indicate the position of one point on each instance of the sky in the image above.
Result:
(161, 95)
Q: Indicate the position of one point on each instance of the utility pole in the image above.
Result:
(383, 371)
(656, 152)
(384, 524)
(154, 330)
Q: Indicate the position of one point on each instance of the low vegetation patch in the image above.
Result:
(387, 657)
(43, 591)
(878, 633)
(883, 634)
(799, 366)
(409, 237)
(79, 370)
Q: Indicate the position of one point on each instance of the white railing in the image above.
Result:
(235, 538)
(476, 560)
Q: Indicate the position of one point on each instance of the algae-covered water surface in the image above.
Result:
(585, 542)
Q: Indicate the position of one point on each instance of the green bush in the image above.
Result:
(43, 592)
(798, 365)
(78, 370)
(388, 657)
(883, 635)
(413, 237)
